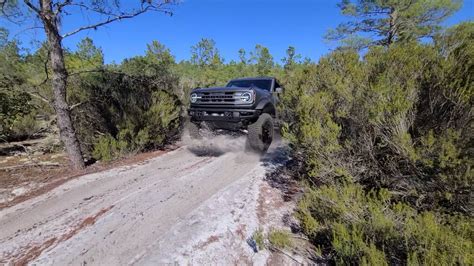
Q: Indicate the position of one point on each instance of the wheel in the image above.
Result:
(260, 134)
(194, 131)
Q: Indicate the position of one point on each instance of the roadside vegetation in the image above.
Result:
(274, 239)
(385, 146)
(380, 129)
(117, 109)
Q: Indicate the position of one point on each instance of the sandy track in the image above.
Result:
(124, 215)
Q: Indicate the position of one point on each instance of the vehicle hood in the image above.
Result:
(221, 89)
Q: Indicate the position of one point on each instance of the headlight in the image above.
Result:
(194, 97)
(246, 97)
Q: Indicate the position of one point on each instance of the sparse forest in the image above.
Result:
(122, 108)
(380, 129)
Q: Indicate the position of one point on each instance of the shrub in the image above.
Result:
(16, 112)
(24, 126)
(387, 140)
(162, 118)
(259, 239)
(130, 109)
(106, 148)
(279, 238)
(369, 227)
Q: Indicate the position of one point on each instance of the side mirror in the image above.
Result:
(279, 90)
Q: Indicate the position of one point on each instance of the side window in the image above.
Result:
(276, 85)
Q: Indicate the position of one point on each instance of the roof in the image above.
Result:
(254, 78)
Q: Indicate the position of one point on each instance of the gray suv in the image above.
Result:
(244, 104)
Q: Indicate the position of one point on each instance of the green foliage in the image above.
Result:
(162, 117)
(291, 58)
(3, 36)
(15, 104)
(24, 126)
(106, 148)
(127, 108)
(276, 238)
(128, 141)
(368, 227)
(263, 60)
(205, 53)
(388, 138)
(279, 238)
(138, 115)
(13, 107)
(87, 57)
(384, 140)
(350, 110)
(159, 54)
(390, 21)
(259, 239)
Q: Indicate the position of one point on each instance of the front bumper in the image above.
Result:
(244, 116)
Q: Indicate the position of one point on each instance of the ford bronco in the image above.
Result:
(243, 105)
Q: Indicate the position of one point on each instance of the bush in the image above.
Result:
(106, 148)
(24, 127)
(387, 141)
(158, 125)
(131, 111)
(259, 239)
(15, 113)
(162, 118)
(370, 227)
(279, 238)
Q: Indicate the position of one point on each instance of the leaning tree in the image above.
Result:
(49, 15)
(383, 22)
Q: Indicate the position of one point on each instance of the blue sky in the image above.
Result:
(233, 24)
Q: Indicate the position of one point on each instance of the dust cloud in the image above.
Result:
(217, 144)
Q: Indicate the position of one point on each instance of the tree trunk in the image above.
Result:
(59, 83)
(392, 26)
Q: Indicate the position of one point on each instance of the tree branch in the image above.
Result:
(45, 67)
(7, 15)
(98, 70)
(39, 96)
(76, 105)
(96, 10)
(60, 6)
(28, 29)
(32, 7)
(3, 4)
(118, 17)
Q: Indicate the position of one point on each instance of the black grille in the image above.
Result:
(217, 97)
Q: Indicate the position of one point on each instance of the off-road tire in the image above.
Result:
(194, 131)
(260, 134)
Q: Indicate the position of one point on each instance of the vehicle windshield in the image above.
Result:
(264, 84)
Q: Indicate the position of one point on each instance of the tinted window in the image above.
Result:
(277, 85)
(264, 84)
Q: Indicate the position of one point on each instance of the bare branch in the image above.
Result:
(10, 16)
(60, 6)
(28, 29)
(32, 7)
(39, 96)
(76, 105)
(113, 18)
(97, 70)
(45, 67)
(96, 10)
(3, 4)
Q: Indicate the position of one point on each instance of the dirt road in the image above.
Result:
(169, 209)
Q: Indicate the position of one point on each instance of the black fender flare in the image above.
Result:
(266, 106)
